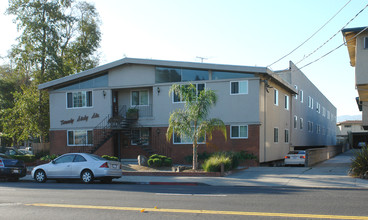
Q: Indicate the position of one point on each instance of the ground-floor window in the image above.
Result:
(182, 139)
(80, 137)
(239, 131)
(286, 136)
(275, 135)
(140, 136)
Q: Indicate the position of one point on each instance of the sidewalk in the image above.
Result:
(332, 173)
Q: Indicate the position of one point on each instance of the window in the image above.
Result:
(286, 136)
(310, 102)
(239, 87)
(80, 138)
(275, 135)
(164, 75)
(296, 88)
(82, 99)
(301, 123)
(65, 159)
(276, 97)
(199, 88)
(139, 97)
(366, 43)
(240, 131)
(318, 108)
(295, 121)
(182, 139)
(140, 136)
(230, 75)
(301, 93)
(310, 126)
(79, 158)
(286, 102)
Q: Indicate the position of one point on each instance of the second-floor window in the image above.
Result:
(286, 102)
(139, 97)
(366, 43)
(239, 87)
(199, 88)
(276, 97)
(81, 99)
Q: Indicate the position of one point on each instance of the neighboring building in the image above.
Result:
(351, 133)
(357, 43)
(266, 113)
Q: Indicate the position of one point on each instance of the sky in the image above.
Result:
(236, 32)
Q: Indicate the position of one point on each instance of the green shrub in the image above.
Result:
(49, 158)
(40, 154)
(156, 160)
(25, 158)
(213, 164)
(359, 165)
(107, 157)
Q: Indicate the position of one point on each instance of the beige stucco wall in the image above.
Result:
(361, 67)
(273, 116)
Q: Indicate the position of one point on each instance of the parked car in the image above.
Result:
(12, 169)
(10, 151)
(361, 145)
(83, 166)
(25, 152)
(295, 158)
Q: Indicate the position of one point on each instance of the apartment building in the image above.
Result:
(122, 109)
(357, 44)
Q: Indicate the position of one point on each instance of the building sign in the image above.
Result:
(80, 119)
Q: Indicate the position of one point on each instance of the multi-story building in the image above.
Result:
(266, 113)
(351, 133)
(357, 43)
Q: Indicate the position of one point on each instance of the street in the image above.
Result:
(73, 200)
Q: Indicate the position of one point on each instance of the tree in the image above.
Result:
(192, 121)
(58, 38)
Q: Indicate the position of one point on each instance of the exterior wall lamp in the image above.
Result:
(104, 93)
(158, 90)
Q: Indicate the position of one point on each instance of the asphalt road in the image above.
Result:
(51, 200)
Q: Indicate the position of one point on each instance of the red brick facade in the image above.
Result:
(159, 145)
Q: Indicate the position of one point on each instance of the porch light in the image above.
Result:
(158, 90)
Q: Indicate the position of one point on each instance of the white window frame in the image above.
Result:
(301, 125)
(276, 137)
(140, 135)
(239, 83)
(239, 137)
(296, 88)
(365, 39)
(286, 135)
(181, 101)
(318, 108)
(86, 136)
(295, 122)
(188, 142)
(86, 99)
(276, 97)
(310, 102)
(301, 93)
(139, 90)
(287, 102)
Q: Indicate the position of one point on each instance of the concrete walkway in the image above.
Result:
(332, 173)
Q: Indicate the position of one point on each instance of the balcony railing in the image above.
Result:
(143, 110)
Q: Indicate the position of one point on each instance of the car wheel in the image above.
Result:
(87, 176)
(106, 180)
(40, 176)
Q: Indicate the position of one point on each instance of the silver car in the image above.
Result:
(86, 167)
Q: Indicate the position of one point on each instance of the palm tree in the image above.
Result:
(191, 122)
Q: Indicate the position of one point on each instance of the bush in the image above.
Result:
(49, 158)
(213, 164)
(156, 160)
(107, 157)
(25, 158)
(359, 165)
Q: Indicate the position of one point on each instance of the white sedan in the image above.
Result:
(86, 167)
(295, 158)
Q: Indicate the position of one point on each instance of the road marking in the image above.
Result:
(189, 211)
(183, 194)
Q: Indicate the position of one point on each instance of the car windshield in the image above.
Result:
(4, 156)
(95, 157)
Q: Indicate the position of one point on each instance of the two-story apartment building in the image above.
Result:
(351, 133)
(266, 112)
(357, 43)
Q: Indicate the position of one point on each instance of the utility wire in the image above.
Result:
(333, 35)
(335, 48)
(310, 36)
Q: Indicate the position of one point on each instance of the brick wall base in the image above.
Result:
(159, 144)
